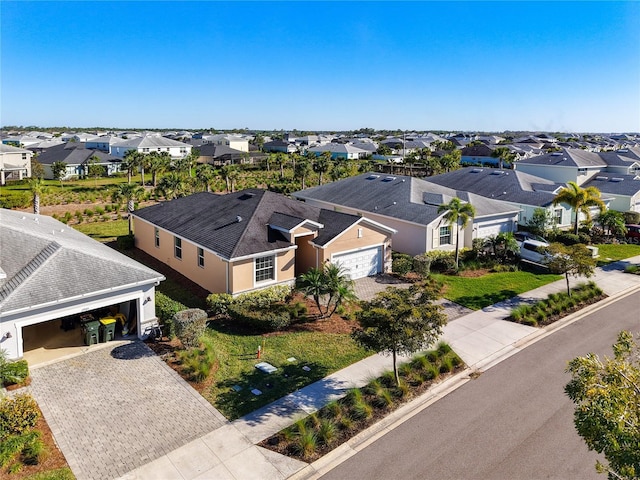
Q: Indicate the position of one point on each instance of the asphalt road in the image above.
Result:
(513, 422)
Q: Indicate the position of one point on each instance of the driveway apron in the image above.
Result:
(118, 408)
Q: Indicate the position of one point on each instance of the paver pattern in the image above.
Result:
(117, 408)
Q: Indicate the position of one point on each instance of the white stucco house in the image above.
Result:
(49, 271)
(15, 163)
(148, 144)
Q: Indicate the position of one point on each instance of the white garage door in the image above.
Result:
(362, 263)
(488, 229)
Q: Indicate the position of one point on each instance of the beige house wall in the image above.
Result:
(306, 255)
(242, 272)
(211, 277)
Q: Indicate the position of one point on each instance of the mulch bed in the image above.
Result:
(278, 443)
(554, 318)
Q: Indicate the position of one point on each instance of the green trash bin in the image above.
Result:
(107, 329)
(91, 332)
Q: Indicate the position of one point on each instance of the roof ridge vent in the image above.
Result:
(476, 170)
(388, 179)
(602, 177)
(373, 177)
(497, 172)
(616, 179)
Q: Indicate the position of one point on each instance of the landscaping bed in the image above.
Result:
(557, 306)
(314, 436)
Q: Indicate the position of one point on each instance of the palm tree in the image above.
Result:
(322, 165)
(173, 186)
(130, 162)
(503, 154)
(158, 163)
(313, 284)
(205, 174)
(130, 193)
(280, 160)
(580, 200)
(37, 187)
(340, 287)
(302, 170)
(231, 174)
(458, 213)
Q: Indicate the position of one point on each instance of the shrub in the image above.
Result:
(17, 414)
(265, 297)
(190, 325)
(422, 264)
(402, 263)
(125, 242)
(166, 308)
(327, 431)
(218, 303)
(297, 310)
(568, 238)
(12, 373)
(442, 261)
(631, 218)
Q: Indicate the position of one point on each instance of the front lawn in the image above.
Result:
(479, 292)
(236, 354)
(104, 231)
(613, 252)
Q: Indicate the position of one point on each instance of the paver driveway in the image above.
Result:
(117, 408)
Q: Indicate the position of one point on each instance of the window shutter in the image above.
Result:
(436, 237)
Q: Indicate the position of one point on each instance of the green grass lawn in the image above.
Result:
(323, 353)
(480, 292)
(104, 231)
(612, 253)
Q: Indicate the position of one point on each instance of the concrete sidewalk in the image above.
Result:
(482, 338)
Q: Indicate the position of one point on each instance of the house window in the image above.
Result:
(557, 216)
(445, 235)
(177, 247)
(200, 257)
(145, 150)
(264, 268)
(156, 234)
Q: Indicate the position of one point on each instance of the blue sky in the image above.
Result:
(488, 66)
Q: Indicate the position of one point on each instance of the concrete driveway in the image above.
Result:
(118, 408)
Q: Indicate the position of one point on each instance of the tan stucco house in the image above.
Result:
(252, 239)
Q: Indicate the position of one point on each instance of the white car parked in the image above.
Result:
(530, 250)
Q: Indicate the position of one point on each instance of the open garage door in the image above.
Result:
(362, 263)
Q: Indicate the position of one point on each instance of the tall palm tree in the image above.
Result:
(205, 174)
(503, 154)
(129, 192)
(158, 163)
(322, 165)
(581, 200)
(130, 162)
(173, 186)
(302, 170)
(458, 213)
(37, 187)
(230, 174)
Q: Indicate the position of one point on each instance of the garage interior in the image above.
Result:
(63, 337)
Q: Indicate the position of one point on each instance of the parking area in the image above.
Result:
(117, 408)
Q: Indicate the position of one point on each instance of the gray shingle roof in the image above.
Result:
(46, 261)
(149, 141)
(509, 185)
(573, 157)
(615, 184)
(407, 198)
(237, 224)
(73, 154)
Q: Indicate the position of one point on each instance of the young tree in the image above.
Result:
(59, 170)
(130, 193)
(38, 188)
(570, 260)
(612, 222)
(458, 213)
(607, 414)
(400, 321)
(94, 169)
(540, 221)
(580, 200)
(37, 170)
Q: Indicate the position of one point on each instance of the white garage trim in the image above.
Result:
(360, 263)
